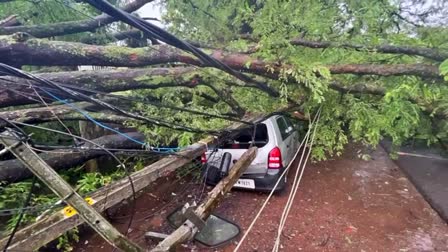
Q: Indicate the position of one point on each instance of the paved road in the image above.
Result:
(428, 170)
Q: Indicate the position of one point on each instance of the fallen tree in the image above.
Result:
(14, 170)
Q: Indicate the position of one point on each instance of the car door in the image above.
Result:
(285, 140)
(294, 140)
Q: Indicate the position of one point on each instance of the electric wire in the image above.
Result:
(242, 77)
(72, 93)
(70, 133)
(8, 70)
(21, 214)
(302, 144)
(172, 107)
(137, 99)
(54, 114)
(121, 164)
(295, 187)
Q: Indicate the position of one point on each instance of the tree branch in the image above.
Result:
(9, 21)
(430, 53)
(373, 89)
(64, 112)
(71, 27)
(422, 70)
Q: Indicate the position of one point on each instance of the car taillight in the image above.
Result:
(203, 158)
(275, 159)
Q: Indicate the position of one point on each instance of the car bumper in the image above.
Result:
(267, 182)
(263, 183)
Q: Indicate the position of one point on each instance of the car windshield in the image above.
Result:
(244, 138)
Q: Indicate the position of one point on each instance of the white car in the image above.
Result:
(277, 141)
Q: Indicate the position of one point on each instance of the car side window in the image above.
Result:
(289, 124)
(285, 130)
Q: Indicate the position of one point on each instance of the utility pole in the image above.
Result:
(61, 188)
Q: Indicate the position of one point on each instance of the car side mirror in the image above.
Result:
(216, 231)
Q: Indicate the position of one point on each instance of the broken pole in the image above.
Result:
(50, 228)
(203, 211)
(23, 152)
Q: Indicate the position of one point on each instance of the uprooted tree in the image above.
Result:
(377, 69)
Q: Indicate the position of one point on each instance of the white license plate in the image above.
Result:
(245, 183)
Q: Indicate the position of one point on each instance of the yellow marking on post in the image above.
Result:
(69, 211)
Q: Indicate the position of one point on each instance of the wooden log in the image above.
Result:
(13, 170)
(46, 230)
(188, 230)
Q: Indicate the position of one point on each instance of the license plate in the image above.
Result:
(245, 183)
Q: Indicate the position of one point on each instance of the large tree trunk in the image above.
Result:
(29, 51)
(13, 170)
(71, 27)
(63, 112)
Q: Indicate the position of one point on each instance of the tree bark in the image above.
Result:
(13, 170)
(63, 112)
(430, 53)
(71, 27)
(17, 50)
(422, 70)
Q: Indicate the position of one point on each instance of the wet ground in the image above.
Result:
(427, 168)
(345, 204)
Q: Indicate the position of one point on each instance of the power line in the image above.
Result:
(136, 99)
(297, 179)
(162, 52)
(121, 164)
(80, 96)
(166, 37)
(21, 214)
(303, 143)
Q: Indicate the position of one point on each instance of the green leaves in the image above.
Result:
(443, 68)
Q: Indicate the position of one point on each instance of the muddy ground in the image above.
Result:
(345, 204)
